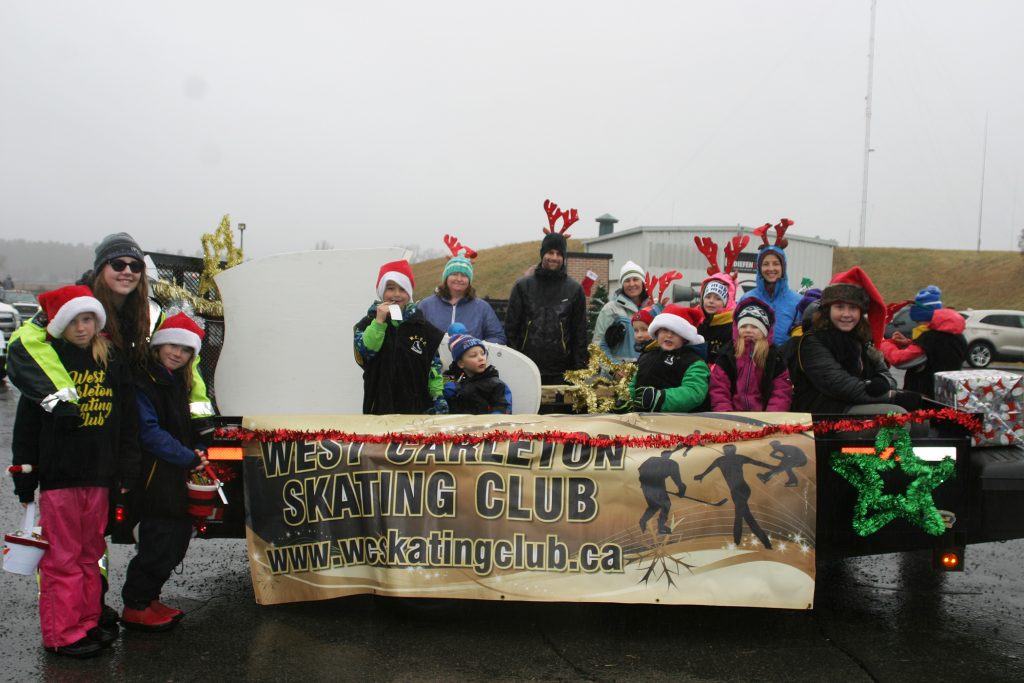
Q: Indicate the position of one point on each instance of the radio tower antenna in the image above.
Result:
(867, 129)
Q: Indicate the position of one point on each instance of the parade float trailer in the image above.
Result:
(708, 509)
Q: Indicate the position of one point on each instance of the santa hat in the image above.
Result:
(855, 287)
(460, 341)
(679, 319)
(631, 269)
(927, 301)
(178, 329)
(398, 272)
(753, 311)
(722, 285)
(62, 305)
(646, 314)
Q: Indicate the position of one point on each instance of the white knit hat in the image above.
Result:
(630, 269)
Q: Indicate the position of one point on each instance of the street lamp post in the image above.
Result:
(241, 232)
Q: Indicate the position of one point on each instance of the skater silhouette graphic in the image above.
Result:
(653, 475)
(731, 464)
(789, 457)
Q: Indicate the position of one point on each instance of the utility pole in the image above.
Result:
(981, 201)
(867, 130)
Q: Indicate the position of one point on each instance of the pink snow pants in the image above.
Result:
(73, 521)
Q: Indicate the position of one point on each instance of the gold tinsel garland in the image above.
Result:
(222, 239)
(166, 293)
(213, 244)
(601, 371)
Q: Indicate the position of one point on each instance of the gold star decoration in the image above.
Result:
(601, 373)
(221, 239)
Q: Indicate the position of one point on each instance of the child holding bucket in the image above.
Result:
(161, 501)
(75, 461)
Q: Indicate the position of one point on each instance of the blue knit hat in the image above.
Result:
(457, 264)
(460, 341)
(927, 301)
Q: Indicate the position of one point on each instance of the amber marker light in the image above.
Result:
(224, 453)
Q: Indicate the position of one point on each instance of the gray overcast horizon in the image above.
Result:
(378, 124)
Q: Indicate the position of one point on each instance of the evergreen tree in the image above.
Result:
(597, 302)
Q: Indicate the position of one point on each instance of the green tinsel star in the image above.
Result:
(874, 508)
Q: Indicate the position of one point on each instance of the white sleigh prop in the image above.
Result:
(288, 323)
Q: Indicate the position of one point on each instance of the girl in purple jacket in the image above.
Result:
(750, 374)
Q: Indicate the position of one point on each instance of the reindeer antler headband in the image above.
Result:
(780, 230)
(661, 284)
(554, 213)
(707, 246)
(457, 248)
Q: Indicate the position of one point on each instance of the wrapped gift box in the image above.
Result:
(996, 394)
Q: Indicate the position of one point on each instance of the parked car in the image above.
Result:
(10, 319)
(994, 335)
(24, 302)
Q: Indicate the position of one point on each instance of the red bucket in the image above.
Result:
(201, 499)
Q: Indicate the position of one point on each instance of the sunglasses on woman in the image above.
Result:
(118, 265)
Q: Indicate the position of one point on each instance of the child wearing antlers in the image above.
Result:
(718, 293)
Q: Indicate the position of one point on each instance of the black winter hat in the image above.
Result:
(553, 240)
(118, 244)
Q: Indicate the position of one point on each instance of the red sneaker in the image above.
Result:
(146, 619)
(161, 608)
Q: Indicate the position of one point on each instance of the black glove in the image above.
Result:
(650, 399)
(910, 400)
(877, 385)
(614, 334)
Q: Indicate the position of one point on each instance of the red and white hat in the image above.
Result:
(178, 329)
(62, 305)
(398, 272)
(679, 319)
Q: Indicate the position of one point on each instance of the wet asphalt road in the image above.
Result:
(884, 618)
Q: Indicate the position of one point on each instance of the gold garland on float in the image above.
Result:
(213, 244)
(601, 373)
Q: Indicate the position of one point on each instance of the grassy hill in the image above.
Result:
(968, 279)
(990, 279)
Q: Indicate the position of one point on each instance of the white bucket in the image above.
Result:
(24, 549)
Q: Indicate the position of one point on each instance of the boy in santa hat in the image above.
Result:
(673, 378)
(475, 388)
(397, 349)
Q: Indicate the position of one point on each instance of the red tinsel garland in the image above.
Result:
(966, 420)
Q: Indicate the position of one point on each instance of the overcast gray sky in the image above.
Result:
(373, 124)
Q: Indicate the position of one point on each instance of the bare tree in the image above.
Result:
(322, 245)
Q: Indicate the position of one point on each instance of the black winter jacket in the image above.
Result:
(481, 394)
(395, 379)
(97, 447)
(162, 491)
(547, 321)
(830, 371)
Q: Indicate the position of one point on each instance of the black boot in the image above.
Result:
(86, 647)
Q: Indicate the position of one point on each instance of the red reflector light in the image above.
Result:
(224, 453)
(119, 514)
(950, 560)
